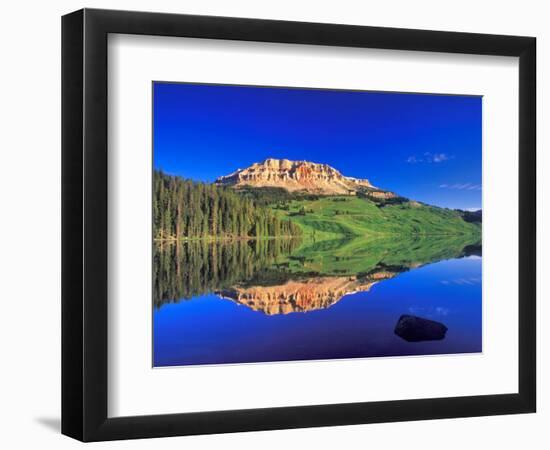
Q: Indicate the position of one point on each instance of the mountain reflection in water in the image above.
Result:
(285, 299)
(281, 276)
(301, 295)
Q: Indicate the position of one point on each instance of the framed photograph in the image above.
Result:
(273, 224)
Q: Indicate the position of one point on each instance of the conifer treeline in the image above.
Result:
(188, 209)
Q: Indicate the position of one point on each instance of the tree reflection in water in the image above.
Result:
(279, 276)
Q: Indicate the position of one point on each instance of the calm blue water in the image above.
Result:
(210, 330)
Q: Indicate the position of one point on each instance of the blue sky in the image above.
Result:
(425, 147)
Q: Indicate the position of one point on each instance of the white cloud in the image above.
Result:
(462, 186)
(462, 281)
(429, 158)
(440, 157)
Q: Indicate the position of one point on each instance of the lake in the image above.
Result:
(286, 300)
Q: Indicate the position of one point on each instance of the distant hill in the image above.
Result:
(300, 176)
(471, 216)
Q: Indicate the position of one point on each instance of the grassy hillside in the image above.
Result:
(336, 217)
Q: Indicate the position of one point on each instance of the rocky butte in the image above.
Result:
(303, 176)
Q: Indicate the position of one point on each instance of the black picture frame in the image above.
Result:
(84, 224)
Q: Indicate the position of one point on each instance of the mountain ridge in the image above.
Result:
(300, 176)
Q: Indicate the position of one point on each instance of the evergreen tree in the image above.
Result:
(184, 209)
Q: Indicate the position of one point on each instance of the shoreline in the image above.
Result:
(305, 236)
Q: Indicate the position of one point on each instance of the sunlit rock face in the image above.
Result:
(304, 176)
(301, 295)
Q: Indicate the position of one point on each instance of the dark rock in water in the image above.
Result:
(416, 329)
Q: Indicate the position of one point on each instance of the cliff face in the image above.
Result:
(297, 176)
(301, 295)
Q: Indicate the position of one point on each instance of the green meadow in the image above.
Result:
(346, 216)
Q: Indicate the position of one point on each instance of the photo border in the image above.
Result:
(299, 88)
(85, 236)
